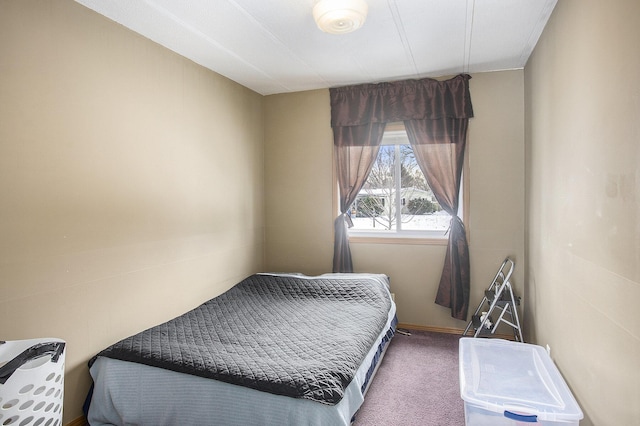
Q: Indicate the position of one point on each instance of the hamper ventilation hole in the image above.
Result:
(49, 407)
(39, 406)
(50, 391)
(26, 405)
(39, 390)
(50, 377)
(26, 421)
(48, 422)
(26, 389)
(57, 393)
(39, 421)
(57, 409)
(8, 405)
(11, 420)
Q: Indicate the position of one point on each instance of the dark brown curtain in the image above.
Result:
(356, 149)
(439, 147)
(438, 113)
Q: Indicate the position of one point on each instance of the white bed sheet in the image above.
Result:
(128, 393)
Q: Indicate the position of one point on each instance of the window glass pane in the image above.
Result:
(374, 207)
(396, 197)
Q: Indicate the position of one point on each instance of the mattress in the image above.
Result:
(127, 392)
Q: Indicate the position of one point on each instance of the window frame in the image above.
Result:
(407, 236)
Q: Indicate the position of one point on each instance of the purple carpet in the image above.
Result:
(417, 383)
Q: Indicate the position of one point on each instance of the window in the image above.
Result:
(396, 200)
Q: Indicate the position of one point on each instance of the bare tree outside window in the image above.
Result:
(380, 191)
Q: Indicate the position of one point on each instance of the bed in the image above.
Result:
(275, 349)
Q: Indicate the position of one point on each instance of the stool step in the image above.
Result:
(498, 296)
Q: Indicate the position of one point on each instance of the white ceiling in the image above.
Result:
(274, 46)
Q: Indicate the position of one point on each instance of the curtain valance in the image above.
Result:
(424, 99)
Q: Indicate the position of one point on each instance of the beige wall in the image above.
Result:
(583, 195)
(298, 182)
(300, 205)
(130, 182)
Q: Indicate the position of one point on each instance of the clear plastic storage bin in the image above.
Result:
(512, 383)
(32, 382)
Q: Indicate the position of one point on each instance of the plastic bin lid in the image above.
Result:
(500, 375)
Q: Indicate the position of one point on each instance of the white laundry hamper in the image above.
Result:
(32, 382)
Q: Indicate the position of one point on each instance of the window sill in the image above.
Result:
(435, 240)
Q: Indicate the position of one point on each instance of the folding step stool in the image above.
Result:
(500, 300)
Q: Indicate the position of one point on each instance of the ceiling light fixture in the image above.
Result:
(340, 16)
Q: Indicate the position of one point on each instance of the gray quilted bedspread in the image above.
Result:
(289, 335)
